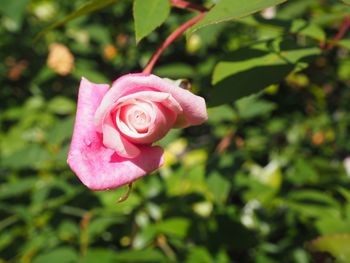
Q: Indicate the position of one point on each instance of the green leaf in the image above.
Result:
(219, 186)
(144, 237)
(61, 131)
(99, 255)
(87, 69)
(6, 239)
(220, 114)
(332, 225)
(233, 9)
(336, 245)
(311, 203)
(313, 197)
(175, 71)
(252, 69)
(61, 105)
(199, 254)
(293, 9)
(14, 9)
(148, 15)
(302, 172)
(100, 225)
(251, 107)
(32, 156)
(146, 255)
(187, 181)
(287, 57)
(345, 193)
(280, 26)
(172, 135)
(174, 226)
(15, 189)
(84, 10)
(62, 255)
(346, 2)
(308, 29)
(68, 230)
(345, 43)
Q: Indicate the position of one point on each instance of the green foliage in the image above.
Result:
(14, 9)
(273, 59)
(65, 255)
(336, 245)
(226, 10)
(83, 10)
(148, 15)
(262, 181)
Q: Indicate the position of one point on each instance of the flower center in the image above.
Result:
(135, 118)
(138, 119)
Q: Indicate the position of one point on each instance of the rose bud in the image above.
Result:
(116, 127)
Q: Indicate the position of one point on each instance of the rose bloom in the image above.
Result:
(115, 127)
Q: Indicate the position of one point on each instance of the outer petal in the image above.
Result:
(98, 167)
(194, 108)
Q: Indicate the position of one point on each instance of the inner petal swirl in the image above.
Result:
(135, 118)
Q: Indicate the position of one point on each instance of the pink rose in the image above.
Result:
(115, 128)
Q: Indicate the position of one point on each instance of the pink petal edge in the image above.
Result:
(98, 167)
(194, 107)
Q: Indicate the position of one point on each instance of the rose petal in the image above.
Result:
(98, 167)
(165, 98)
(162, 120)
(194, 108)
(113, 140)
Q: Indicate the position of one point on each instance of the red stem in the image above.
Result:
(170, 39)
(187, 5)
(342, 30)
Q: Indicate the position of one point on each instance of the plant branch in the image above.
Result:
(187, 5)
(170, 39)
(341, 32)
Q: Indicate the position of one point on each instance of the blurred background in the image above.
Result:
(264, 180)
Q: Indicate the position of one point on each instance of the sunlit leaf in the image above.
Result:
(148, 15)
(226, 10)
(174, 226)
(337, 246)
(219, 186)
(249, 70)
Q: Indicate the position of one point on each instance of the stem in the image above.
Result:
(125, 195)
(187, 5)
(170, 39)
(84, 235)
(163, 244)
(342, 30)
